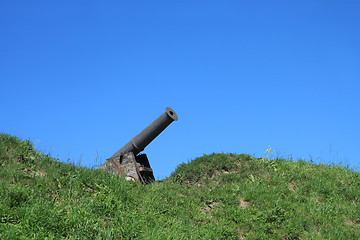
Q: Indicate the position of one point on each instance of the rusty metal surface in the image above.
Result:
(116, 165)
(144, 169)
(109, 167)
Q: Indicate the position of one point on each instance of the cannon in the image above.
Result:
(128, 162)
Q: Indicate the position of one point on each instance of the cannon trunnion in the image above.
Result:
(128, 162)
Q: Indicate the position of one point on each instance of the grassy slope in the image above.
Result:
(217, 196)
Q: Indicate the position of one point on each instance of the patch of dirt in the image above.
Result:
(243, 203)
(350, 222)
(293, 186)
(210, 206)
(34, 173)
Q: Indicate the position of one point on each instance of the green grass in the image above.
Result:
(216, 196)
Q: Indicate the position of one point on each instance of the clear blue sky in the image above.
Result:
(80, 77)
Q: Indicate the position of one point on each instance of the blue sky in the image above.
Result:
(81, 78)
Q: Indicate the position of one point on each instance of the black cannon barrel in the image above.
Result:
(138, 143)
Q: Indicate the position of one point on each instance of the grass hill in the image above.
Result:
(216, 196)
